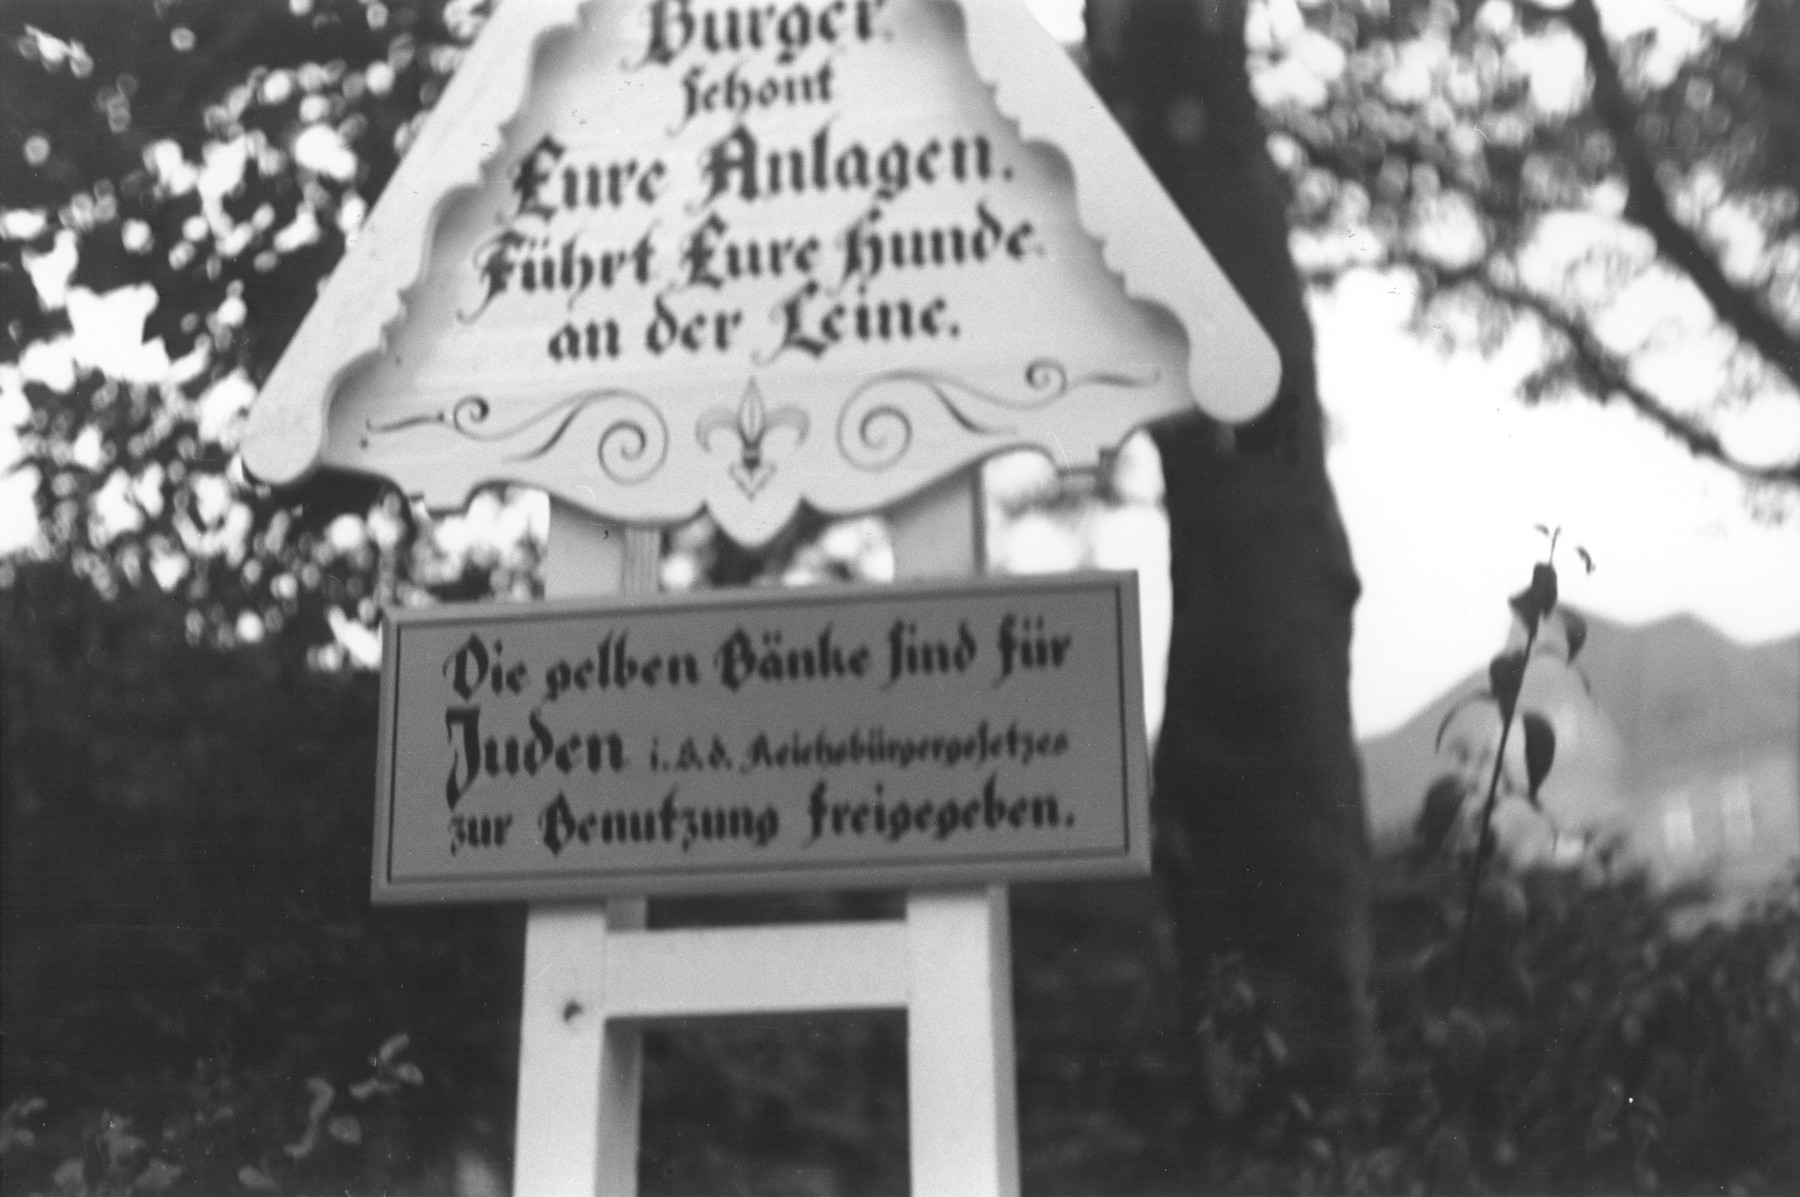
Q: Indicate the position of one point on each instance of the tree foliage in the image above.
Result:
(1618, 183)
(200, 164)
(188, 941)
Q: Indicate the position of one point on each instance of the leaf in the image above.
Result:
(256, 1180)
(1507, 896)
(393, 1047)
(1438, 813)
(362, 1090)
(1522, 985)
(1525, 609)
(1575, 631)
(1426, 957)
(1461, 705)
(1465, 1043)
(1466, 1024)
(1543, 586)
(121, 1146)
(1277, 1046)
(409, 1072)
(322, 1097)
(1506, 675)
(157, 1176)
(1587, 559)
(302, 1148)
(1540, 753)
(1535, 603)
(346, 1129)
(116, 1137)
(71, 1175)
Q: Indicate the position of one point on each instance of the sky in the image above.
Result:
(1440, 474)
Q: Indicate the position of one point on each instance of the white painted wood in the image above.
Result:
(1232, 366)
(580, 1076)
(592, 974)
(421, 363)
(938, 532)
(961, 1078)
(757, 970)
(362, 297)
(585, 555)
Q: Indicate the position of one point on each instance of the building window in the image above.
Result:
(1738, 812)
(1678, 826)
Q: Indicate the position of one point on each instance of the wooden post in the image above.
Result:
(580, 1074)
(961, 1082)
(593, 974)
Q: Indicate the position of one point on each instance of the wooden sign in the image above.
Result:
(653, 255)
(840, 737)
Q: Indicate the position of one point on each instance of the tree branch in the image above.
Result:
(1647, 205)
(1605, 367)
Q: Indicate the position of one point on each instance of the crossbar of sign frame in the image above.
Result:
(834, 737)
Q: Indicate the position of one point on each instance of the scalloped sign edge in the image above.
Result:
(1233, 368)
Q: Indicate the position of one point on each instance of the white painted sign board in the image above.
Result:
(835, 737)
(654, 255)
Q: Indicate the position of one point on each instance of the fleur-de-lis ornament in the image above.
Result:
(750, 424)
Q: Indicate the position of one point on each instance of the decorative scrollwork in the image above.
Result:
(630, 448)
(875, 428)
(750, 423)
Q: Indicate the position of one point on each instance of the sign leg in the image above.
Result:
(961, 1084)
(575, 1136)
(580, 1074)
(939, 532)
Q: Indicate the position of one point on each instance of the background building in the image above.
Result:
(1687, 754)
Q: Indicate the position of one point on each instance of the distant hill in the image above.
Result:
(1689, 747)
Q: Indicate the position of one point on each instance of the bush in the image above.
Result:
(198, 998)
(190, 957)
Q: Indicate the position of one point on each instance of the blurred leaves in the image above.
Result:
(1533, 174)
(1440, 814)
(1540, 752)
(188, 939)
(215, 156)
(1575, 633)
(1534, 604)
(1506, 675)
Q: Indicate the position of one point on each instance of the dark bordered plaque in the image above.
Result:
(835, 737)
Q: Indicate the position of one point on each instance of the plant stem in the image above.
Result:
(1484, 845)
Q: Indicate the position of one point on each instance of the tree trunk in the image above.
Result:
(1264, 847)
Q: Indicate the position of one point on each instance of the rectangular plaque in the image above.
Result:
(837, 737)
